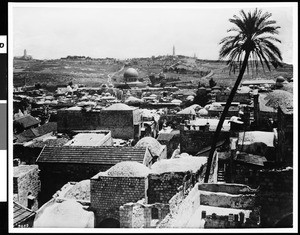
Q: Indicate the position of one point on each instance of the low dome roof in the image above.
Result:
(128, 169)
(119, 107)
(131, 73)
(153, 145)
(280, 79)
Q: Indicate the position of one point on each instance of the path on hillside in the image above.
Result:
(110, 75)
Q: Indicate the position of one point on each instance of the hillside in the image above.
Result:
(94, 72)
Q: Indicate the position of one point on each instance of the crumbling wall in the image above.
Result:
(275, 195)
(109, 193)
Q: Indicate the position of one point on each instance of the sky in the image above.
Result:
(121, 30)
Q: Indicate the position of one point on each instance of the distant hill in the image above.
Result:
(94, 72)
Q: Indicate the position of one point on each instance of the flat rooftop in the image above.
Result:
(87, 139)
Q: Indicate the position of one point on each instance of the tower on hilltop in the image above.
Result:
(174, 50)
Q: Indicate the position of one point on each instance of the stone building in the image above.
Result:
(123, 121)
(285, 135)
(195, 136)
(275, 197)
(60, 165)
(131, 75)
(125, 182)
(263, 113)
(171, 140)
(26, 186)
(25, 123)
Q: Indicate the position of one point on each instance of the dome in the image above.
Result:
(153, 145)
(80, 191)
(67, 214)
(128, 169)
(280, 79)
(131, 73)
(110, 85)
(119, 107)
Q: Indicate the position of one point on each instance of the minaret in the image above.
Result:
(25, 53)
(174, 51)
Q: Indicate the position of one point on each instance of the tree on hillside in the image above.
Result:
(212, 83)
(252, 44)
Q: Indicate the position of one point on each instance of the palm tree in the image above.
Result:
(253, 44)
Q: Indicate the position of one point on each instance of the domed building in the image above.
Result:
(123, 183)
(128, 169)
(131, 75)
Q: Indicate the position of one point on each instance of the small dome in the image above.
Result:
(153, 145)
(104, 86)
(280, 79)
(128, 169)
(119, 107)
(110, 85)
(131, 73)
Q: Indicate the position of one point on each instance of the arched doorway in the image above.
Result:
(109, 223)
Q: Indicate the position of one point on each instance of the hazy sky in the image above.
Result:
(133, 30)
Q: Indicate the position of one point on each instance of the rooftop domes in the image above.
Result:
(280, 79)
(128, 169)
(131, 74)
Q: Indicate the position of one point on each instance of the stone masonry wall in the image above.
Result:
(109, 193)
(275, 195)
(164, 186)
(29, 183)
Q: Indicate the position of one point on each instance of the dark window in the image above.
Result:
(154, 213)
(30, 201)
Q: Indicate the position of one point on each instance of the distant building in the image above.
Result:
(131, 75)
(123, 121)
(25, 56)
(24, 123)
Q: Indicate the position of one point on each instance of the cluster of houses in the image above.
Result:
(136, 157)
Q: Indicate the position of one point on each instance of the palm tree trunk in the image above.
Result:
(224, 113)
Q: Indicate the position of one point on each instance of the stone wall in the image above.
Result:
(109, 193)
(192, 141)
(275, 195)
(140, 215)
(162, 187)
(248, 174)
(28, 183)
(121, 123)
